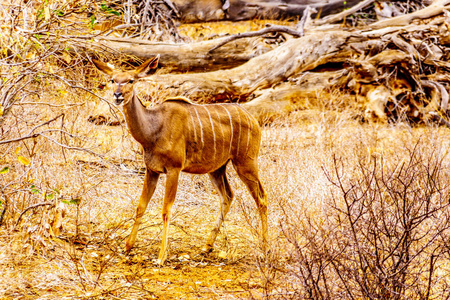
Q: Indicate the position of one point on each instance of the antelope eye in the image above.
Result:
(112, 80)
(131, 81)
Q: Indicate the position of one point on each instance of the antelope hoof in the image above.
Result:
(207, 249)
(160, 261)
(128, 247)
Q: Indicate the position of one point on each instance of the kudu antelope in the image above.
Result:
(178, 135)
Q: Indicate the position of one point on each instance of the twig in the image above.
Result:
(172, 7)
(42, 133)
(272, 28)
(306, 15)
(436, 8)
(28, 208)
(31, 135)
(63, 137)
(118, 27)
(72, 148)
(5, 205)
(52, 105)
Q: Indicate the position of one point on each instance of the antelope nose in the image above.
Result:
(119, 98)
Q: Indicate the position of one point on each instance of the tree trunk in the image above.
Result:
(237, 84)
(194, 57)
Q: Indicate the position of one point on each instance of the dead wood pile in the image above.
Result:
(390, 59)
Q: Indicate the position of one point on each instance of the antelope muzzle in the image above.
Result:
(118, 96)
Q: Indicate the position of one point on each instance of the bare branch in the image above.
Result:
(72, 148)
(31, 207)
(306, 16)
(337, 17)
(52, 105)
(272, 28)
(31, 134)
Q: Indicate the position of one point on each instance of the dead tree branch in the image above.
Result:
(29, 208)
(436, 8)
(270, 29)
(31, 135)
(345, 13)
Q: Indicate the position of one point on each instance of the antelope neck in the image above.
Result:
(142, 122)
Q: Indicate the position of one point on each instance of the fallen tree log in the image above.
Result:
(237, 84)
(310, 89)
(276, 9)
(194, 57)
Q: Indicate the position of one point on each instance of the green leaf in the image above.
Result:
(4, 170)
(91, 22)
(71, 201)
(40, 14)
(114, 12)
(109, 10)
(50, 196)
(58, 12)
(75, 201)
(34, 189)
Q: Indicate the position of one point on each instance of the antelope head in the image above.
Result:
(123, 80)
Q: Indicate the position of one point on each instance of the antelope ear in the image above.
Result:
(147, 67)
(102, 67)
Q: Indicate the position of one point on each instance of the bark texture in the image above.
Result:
(182, 57)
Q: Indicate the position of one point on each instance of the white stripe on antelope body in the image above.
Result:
(178, 135)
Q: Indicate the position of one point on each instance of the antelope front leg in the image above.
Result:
(150, 181)
(169, 197)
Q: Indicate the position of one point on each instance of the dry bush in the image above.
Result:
(392, 222)
(379, 230)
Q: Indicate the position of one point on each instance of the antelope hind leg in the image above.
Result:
(248, 173)
(150, 181)
(220, 183)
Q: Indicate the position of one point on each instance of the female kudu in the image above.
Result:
(178, 135)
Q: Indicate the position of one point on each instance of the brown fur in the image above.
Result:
(178, 135)
(178, 98)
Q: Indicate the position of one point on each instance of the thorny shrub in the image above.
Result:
(385, 235)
